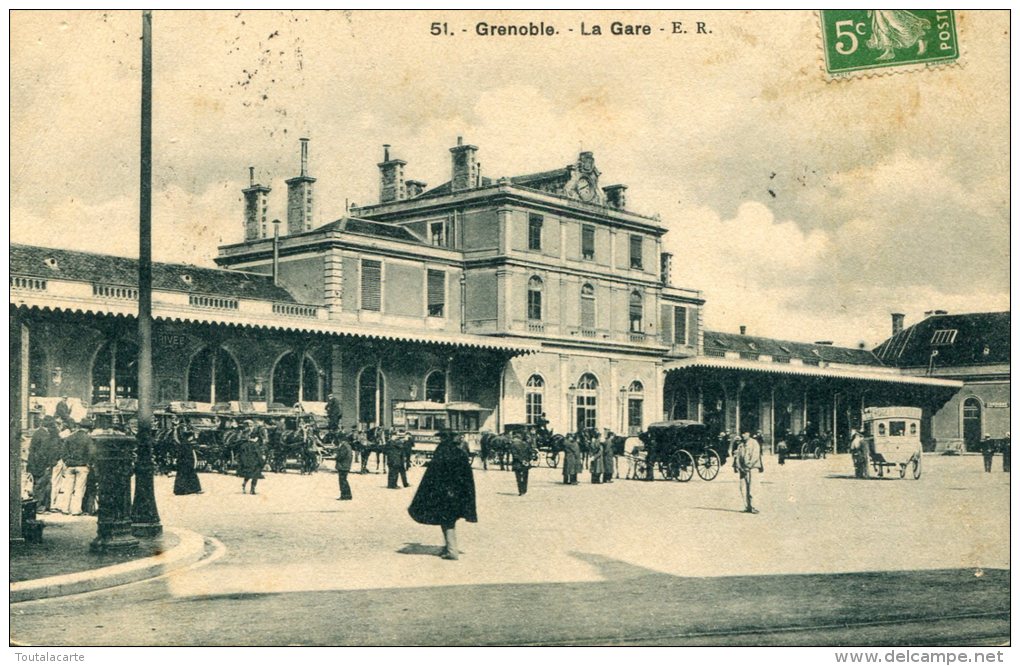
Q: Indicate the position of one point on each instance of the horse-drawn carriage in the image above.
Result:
(678, 449)
(293, 438)
(890, 440)
(804, 445)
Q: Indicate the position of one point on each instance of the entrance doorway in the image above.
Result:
(972, 424)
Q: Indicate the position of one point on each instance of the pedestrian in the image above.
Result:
(186, 482)
(857, 454)
(608, 456)
(571, 460)
(746, 460)
(68, 493)
(344, 458)
(446, 493)
(782, 448)
(43, 455)
(1005, 453)
(361, 446)
(521, 451)
(988, 451)
(394, 462)
(251, 458)
(595, 462)
(406, 442)
(334, 413)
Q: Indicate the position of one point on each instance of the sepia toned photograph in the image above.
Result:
(510, 328)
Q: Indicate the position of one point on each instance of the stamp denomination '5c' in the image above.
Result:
(856, 40)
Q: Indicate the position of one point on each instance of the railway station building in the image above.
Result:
(528, 295)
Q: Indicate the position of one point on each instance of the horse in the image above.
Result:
(496, 447)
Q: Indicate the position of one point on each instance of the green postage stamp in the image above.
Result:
(858, 40)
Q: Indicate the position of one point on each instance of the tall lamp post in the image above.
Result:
(144, 515)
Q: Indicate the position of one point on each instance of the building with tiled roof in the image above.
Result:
(973, 348)
(529, 295)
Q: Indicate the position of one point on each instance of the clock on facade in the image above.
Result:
(585, 189)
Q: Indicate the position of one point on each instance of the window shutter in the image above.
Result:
(587, 312)
(680, 326)
(437, 292)
(667, 325)
(371, 285)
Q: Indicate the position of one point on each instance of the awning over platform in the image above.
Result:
(191, 315)
(865, 373)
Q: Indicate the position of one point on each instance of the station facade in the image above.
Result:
(527, 295)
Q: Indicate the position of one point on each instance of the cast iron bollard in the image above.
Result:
(114, 462)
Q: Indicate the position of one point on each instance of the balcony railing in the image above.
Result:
(28, 283)
(536, 327)
(295, 310)
(212, 302)
(112, 291)
(637, 337)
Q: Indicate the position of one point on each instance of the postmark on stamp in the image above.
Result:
(855, 41)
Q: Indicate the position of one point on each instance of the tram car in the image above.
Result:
(423, 419)
(680, 448)
(890, 442)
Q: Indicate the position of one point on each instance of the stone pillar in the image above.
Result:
(18, 405)
(113, 465)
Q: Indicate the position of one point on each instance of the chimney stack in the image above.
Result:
(300, 204)
(414, 188)
(255, 203)
(666, 268)
(465, 166)
(897, 322)
(616, 196)
(391, 178)
(743, 330)
(826, 343)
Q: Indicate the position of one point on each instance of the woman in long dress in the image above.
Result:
(896, 29)
(186, 481)
(446, 493)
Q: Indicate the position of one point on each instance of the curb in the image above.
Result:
(189, 550)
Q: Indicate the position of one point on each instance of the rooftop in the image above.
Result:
(978, 338)
(752, 346)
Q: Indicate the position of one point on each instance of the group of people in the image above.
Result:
(989, 447)
(61, 461)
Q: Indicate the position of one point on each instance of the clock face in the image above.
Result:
(585, 189)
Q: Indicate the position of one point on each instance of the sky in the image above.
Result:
(802, 208)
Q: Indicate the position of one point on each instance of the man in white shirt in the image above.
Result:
(746, 459)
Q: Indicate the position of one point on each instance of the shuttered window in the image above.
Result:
(371, 285)
(680, 326)
(667, 324)
(437, 293)
(588, 242)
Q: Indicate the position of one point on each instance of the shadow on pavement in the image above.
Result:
(716, 508)
(420, 549)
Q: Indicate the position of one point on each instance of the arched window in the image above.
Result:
(636, 313)
(213, 376)
(115, 372)
(296, 379)
(587, 401)
(635, 407)
(371, 397)
(534, 397)
(435, 386)
(535, 298)
(588, 308)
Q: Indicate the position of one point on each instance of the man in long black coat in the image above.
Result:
(344, 458)
(446, 493)
(334, 413)
(44, 452)
(521, 451)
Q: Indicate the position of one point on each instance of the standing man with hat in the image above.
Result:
(521, 452)
(988, 451)
(747, 459)
(344, 458)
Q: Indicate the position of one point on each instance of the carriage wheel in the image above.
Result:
(903, 470)
(818, 453)
(708, 465)
(552, 459)
(684, 465)
(916, 462)
(667, 470)
(641, 469)
(805, 451)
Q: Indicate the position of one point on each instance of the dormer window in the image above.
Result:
(945, 336)
(51, 263)
(186, 279)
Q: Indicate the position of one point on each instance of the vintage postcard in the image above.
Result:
(499, 328)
